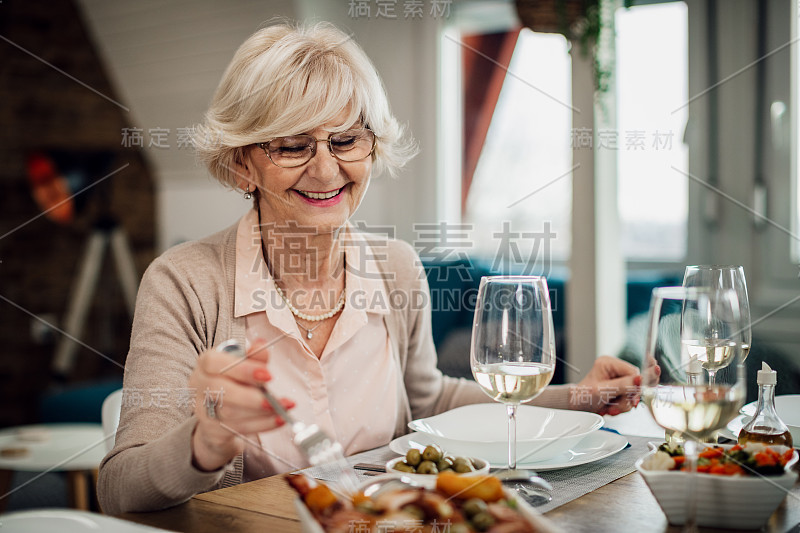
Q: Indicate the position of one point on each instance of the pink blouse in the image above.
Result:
(350, 391)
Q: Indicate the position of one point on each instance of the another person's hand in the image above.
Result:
(229, 406)
(611, 387)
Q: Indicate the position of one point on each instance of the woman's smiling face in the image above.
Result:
(318, 196)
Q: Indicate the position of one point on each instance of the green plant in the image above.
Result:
(580, 21)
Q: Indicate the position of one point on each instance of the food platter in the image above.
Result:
(540, 523)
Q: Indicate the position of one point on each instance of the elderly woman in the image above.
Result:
(299, 123)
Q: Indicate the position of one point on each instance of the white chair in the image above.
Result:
(110, 417)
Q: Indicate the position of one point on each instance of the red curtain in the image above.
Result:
(485, 60)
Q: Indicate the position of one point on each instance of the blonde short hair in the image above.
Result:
(285, 80)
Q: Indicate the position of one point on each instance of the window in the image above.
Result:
(652, 88)
(522, 178)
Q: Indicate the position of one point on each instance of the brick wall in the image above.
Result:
(43, 108)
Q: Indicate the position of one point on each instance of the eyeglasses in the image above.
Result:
(296, 150)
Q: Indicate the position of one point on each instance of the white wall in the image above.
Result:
(166, 58)
(190, 209)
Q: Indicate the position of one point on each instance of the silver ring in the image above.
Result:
(232, 346)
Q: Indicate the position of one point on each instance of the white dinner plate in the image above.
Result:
(67, 521)
(481, 430)
(736, 425)
(596, 446)
(788, 408)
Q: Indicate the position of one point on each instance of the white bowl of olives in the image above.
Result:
(433, 460)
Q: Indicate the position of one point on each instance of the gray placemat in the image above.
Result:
(572, 483)
(568, 483)
(329, 472)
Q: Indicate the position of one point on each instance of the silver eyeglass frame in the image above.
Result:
(265, 147)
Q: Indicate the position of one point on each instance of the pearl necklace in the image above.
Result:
(295, 311)
(311, 318)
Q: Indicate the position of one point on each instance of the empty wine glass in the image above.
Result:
(674, 385)
(513, 345)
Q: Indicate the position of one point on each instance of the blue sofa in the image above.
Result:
(454, 286)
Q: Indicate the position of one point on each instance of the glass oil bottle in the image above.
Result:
(766, 426)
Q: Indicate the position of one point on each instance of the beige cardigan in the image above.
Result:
(184, 307)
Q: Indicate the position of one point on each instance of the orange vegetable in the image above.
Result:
(320, 498)
(710, 453)
(703, 468)
(787, 456)
(486, 488)
(717, 469)
(727, 469)
(679, 460)
(359, 497)
(765, 459)
(732, 469)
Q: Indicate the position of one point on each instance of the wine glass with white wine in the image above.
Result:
(513, 345)
(723, 277)
(674, 384)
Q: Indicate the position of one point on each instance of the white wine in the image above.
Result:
(696, 410)
(513, 382)
(713, 354)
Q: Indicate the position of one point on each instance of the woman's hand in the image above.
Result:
(610, 388)
(229, 404)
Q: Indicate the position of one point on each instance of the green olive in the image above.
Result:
(432, 453)
(427, 467)
(413, 457)
(445, 463)
(367, 506)
(403, 467)
(462, 465)
(482, 521)
(474, 506)
(414, 511)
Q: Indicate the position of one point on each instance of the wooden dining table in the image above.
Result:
(266, 505)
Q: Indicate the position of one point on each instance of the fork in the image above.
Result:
(312, 441)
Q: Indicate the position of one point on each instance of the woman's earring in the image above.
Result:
(247, 194)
